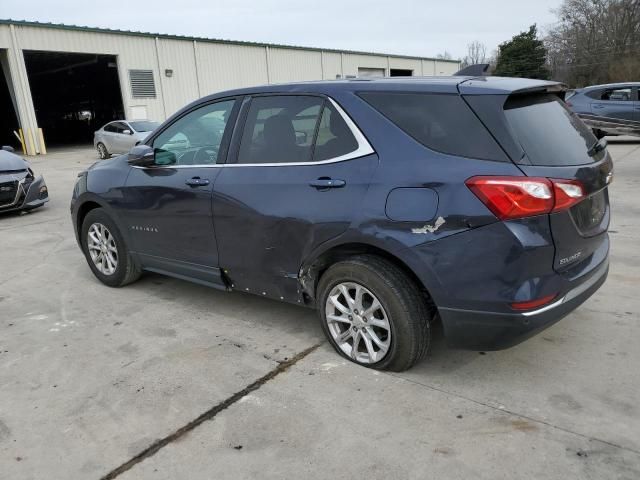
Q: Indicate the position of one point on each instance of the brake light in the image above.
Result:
(517, 197)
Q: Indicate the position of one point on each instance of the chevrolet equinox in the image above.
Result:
(385, 204)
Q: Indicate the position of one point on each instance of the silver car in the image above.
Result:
(120, 136)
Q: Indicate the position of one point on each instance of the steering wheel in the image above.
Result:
(206, 155)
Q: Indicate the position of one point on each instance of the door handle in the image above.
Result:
(325, 183)
(197, 182)
(597, 106)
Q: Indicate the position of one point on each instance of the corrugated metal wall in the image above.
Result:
(198, 68)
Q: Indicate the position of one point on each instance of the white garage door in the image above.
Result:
(370, 72)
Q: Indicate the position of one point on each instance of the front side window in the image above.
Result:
(196, 138)
(280, 129)
(110, 127)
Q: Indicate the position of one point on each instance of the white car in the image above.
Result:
(121, 135)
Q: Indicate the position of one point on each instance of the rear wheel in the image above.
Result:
(105, 250)
(103, 153)
(373, 313)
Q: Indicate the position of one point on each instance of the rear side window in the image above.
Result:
(334, 136)
(549, 133)
(441, 122)
(280, 129)
(617, 94)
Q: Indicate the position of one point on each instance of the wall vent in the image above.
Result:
(142, 84)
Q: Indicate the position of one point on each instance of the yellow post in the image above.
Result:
(31, 148)
(20, 138)
(43, 149)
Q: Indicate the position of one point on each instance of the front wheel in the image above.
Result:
(373, 313)
(105, 250)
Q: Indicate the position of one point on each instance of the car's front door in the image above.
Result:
(119, 142)
(615, 103)
(168, 205)
(298, 171)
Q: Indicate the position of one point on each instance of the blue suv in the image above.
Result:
(385, 204)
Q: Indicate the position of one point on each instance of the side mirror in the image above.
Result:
(142, 156)
(127, 132)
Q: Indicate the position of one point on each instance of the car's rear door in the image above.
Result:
(615, 102)
(297, 174)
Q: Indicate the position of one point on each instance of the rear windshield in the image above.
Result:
(549, 133)
(441, 122)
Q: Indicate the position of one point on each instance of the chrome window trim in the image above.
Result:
(364, 149)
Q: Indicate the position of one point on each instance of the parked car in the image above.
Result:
(612, 109)
(120, 136)
(20, 188)
(385, 204)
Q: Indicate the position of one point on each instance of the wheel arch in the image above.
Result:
(314, 267)
(88, 202)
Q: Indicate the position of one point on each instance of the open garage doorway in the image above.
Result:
(8, 117)
(74, 94)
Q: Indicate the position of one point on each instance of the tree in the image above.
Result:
(444, 56)
(523, 56)
(476, 53)
(595, 41)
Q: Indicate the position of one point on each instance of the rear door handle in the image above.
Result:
(197, 182)
(325, 183)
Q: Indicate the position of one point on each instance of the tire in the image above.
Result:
(404, 307)
(125, 270)
(103, 153)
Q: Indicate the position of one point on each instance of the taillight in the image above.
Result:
(518, 197)
(567, 193)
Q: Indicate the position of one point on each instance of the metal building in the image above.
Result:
(70, 80)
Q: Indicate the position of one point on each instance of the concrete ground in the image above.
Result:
(91, 377)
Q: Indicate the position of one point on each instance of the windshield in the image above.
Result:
(144, 126)
(550, 134)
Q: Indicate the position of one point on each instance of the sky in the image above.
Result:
(421, 28)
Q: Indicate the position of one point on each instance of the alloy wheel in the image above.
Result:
(358, 323)
(102, 248)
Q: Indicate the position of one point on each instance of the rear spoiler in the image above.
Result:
(477, 70)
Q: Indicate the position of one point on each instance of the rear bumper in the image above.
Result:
(478, 330)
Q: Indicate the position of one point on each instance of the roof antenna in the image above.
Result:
(477, 70)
